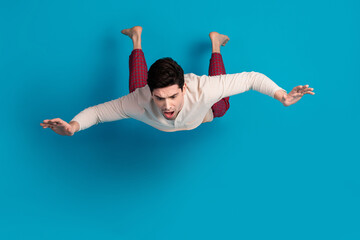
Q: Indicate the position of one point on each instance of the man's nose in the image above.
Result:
(167, 104)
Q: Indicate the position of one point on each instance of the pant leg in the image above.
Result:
(138, 70)
(217, 67)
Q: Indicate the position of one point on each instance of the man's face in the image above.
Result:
(169, 100)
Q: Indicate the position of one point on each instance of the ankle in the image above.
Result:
(137, 43)
(216, 50)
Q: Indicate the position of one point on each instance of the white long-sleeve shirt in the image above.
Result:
(202, 92)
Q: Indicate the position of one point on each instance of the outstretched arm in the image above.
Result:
(105, 112)
(294, 96)
(218, 87)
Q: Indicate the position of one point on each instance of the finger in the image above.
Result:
(302, 86)
(57, 120)
(309, 89)
(306, 92)
(297, 88)
(49, 125)
(306, 89)
(300, 89)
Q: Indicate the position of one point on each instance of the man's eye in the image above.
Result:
(172, 97)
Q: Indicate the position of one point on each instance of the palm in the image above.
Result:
(296, 94)
(59, 126)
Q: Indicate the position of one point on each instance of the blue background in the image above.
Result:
(262, 171)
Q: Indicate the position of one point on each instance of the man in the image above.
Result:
(168, 100)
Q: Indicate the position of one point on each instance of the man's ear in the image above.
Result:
(184, 88)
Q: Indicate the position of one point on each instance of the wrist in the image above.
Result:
(280, 95)
(75, 126)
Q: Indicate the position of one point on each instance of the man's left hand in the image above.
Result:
(296, 94)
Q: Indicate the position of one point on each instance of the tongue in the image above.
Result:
(168, 114)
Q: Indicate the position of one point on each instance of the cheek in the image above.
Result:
(159, 104)
(178, 103)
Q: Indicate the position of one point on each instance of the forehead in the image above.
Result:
(167, 91)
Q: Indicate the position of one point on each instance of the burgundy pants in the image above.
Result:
(138, 76)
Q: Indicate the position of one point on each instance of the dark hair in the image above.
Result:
(165, 72)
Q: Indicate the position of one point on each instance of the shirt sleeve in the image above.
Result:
(220, 86)
(105, 112)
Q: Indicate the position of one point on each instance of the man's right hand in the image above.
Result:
(59, 126)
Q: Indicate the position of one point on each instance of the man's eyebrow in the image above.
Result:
(170, 96)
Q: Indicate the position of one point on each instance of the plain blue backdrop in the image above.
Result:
(262, 171)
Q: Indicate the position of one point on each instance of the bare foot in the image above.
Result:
(134, 32)
(218, 40)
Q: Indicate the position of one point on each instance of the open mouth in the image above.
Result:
(169, 114)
